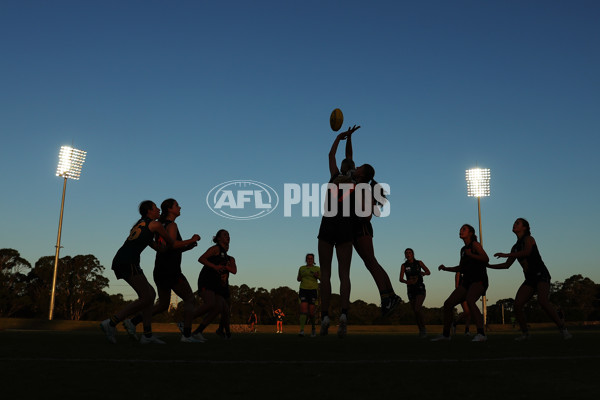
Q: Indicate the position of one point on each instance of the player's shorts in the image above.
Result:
(168, 280)
(415, 290)
(532, 280)
(362, 228)
(335, 230)
(308, 296)
(466, 282)
(127, 271)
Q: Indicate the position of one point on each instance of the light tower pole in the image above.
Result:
(478, 185)
(70, 161)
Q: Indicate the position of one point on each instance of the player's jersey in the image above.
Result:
(413, 270)
(168, 260)
(344, 195)
(471, 269)
(532, 264)
(309, 281)
(209, 274)
(139, 237)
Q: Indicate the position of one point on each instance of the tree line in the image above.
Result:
(80, 294)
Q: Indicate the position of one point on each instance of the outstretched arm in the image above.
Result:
(349, 147)
(449, 269)
(333, 168)
(527, 248)
(504, 265)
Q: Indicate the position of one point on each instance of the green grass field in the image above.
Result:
(77, 362)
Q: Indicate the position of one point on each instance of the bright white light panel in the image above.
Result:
(478, 182)
(70, 161)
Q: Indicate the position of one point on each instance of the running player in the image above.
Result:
(335, 231)
(126, 265)
(537, 278)
(168, 275)
(473, 262)
(411, 273)
(213, 284)
(308, 276)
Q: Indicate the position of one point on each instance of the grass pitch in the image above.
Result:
(82, 364)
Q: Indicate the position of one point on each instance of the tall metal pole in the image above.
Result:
(62, 207)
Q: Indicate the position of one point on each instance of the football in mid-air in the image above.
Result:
(336, 119)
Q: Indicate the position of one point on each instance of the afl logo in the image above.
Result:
(242, 200)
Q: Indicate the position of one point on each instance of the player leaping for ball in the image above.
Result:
(363, 231)
(336, 232)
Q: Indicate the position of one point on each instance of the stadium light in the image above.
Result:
(478, 185)
(70, 161)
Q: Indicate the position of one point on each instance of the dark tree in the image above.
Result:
(13, 282)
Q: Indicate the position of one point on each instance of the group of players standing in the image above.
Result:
(341, 231)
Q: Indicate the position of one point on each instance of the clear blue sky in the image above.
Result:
(170, 99)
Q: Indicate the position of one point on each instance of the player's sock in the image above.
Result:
(480, 331)
(302, 321)
(187, 332)
(344, 311)
(148, 331)
(200, 328)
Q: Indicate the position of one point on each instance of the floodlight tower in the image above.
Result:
(478, 185)
(70, 161)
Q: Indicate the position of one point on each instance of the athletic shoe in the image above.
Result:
(190, 339)
(467, 333)
(440, 338)
(423, 334)
(198, 336)
(343, 326)
(150, 340)
(479, 338)
(130, 328)
(180, 327)
(301, 333)
(313, 332)
(565, 334)
(220, 333)
(324, 326)
(522, 338)
(109, 330)
(389, 304)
